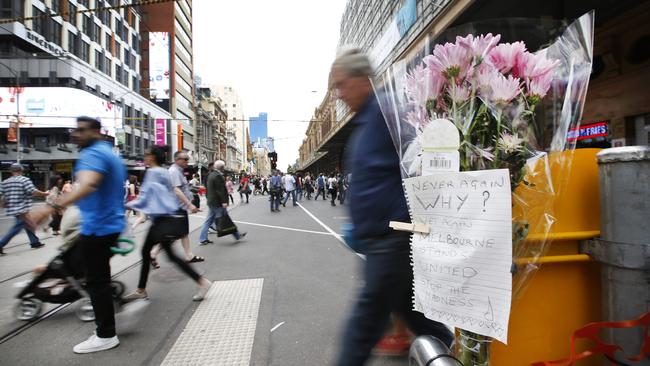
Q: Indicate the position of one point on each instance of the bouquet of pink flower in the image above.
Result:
(507, 107)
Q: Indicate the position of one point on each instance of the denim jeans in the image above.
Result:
(275, 199)
(19, 225)
(293, 197)
(214, 213)
(388, 289)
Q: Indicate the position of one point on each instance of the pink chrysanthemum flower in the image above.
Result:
(449, 59)
(478, 46)
(504, 56)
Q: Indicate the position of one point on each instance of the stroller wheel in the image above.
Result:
(118, 289)
(28, 309)
(85, 310)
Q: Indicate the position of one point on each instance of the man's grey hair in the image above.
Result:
(353, 61)
(219, 165)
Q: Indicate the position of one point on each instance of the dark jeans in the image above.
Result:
(293, 197)
(19, 225)
(196, 200)
(276, 197)
(332, 193)
(96, 257)
(388, 289)
(320, 191)
(55, 224)
(231, 198)
(149, 242)
(241, 196)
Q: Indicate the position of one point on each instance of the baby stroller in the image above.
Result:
(61, 280)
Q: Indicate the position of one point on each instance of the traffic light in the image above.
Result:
(273, 156)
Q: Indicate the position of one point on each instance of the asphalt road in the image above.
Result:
(310, 282)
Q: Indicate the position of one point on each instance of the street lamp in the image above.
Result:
(17, 111)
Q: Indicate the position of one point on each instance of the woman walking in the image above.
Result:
(230, 187)
(158, 201)
(56, 188)
(131, 193)
(333, 185)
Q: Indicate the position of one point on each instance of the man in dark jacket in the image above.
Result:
(376, 197)
(217, 201)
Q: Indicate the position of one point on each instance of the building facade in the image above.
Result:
(168, 60)
(261, 161)
(617, 99)
(211, 139)
(237, 123)
(62, 63)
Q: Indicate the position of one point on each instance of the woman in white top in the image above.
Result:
(332, 186)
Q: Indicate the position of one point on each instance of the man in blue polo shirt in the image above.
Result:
(100, 177)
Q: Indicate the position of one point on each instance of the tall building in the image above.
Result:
(258, 127)
(167, 64)
(58, 62)
(237, 123)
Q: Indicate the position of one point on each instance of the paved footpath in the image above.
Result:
(281, 297)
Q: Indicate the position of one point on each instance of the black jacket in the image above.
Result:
(216, 189)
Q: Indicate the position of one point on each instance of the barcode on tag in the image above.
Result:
(440, 163)
(436, 161)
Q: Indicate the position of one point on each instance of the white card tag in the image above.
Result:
(437, 161)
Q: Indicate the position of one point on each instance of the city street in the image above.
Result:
(308, 281)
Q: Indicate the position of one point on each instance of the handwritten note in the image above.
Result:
(462, 267)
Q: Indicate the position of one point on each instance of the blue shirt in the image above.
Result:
(157, 197)
(376, 192)
(102, 211)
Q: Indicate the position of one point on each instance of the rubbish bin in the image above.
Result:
(623, 248)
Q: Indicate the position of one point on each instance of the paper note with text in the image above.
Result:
(462, 267)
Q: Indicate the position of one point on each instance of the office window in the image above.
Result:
(125, 77)
(98, 60)
(56, 6)
(107, 41)
(118, 50)
(134, 65)
(135, 83)
(127, 58)
(72, 13)
(96, 32)
(118, 73)
(135, 42)
(37, 23)
(85, 25)
(83, 2)
(72, 43)
(107, 66)
(85, 52)
(56, 32)
(138, 147)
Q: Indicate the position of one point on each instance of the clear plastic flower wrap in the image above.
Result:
(514, 89)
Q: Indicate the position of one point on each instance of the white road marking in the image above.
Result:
(222, 329)
(337, 236)
(277, 326)
(284, 228)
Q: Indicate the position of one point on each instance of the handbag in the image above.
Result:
(170, 227)
(225, 226)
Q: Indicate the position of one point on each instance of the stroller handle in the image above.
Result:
(125, 246)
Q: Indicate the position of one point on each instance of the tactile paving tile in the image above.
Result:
(222, 329)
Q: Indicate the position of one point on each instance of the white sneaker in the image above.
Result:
(203, 290)
(96, 344)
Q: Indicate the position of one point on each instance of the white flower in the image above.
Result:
(510, 143)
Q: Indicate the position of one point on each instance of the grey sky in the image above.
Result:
(275, 53)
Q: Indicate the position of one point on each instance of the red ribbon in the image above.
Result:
(591, 331)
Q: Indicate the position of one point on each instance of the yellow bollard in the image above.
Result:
(564, 294)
